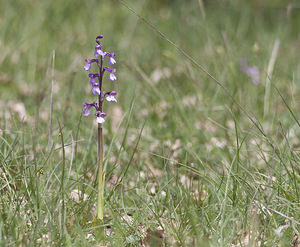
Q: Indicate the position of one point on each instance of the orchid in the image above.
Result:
(88, 66)
(93, 77)
(86, 110)
(95, 80)
(111, 59)
(100, 117)
(95, 90)
(112, 72)
(110, 96)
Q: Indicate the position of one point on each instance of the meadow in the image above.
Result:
(201, 149)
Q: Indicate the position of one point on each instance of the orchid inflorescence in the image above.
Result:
(96, 81)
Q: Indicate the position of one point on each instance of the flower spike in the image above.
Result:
(95, 80)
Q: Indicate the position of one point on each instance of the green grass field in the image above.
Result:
(196, 154)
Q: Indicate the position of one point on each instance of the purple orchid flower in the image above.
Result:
(98, 50)
(95, 90)
(93, 77)
(86, 111)
(88, 66)
(111, 60)
(110, 96)
(100, 117)
(112, 72)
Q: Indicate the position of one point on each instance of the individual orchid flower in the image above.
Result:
(93, 77)
(112, 72)
(98, 50)
(88, 66)
(86, 111)
(110, 96)
(96, 90)
(100, 117)
(111, 60)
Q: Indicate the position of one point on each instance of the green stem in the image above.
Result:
(100, 174)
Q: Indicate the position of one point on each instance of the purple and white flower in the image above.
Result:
(110, 96)
(88, 66)
(93, 77)
(86, 111)
(96, 90)
(112, 72)
(100, 117)
(98, 50)
(111, 59)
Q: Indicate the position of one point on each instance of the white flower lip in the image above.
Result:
(111, 98)
(100, 120)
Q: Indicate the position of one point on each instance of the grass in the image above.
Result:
(185, 165)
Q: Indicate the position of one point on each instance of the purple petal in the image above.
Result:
(93, 75)
(100, 114)
(108, 69)
(95, 60)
